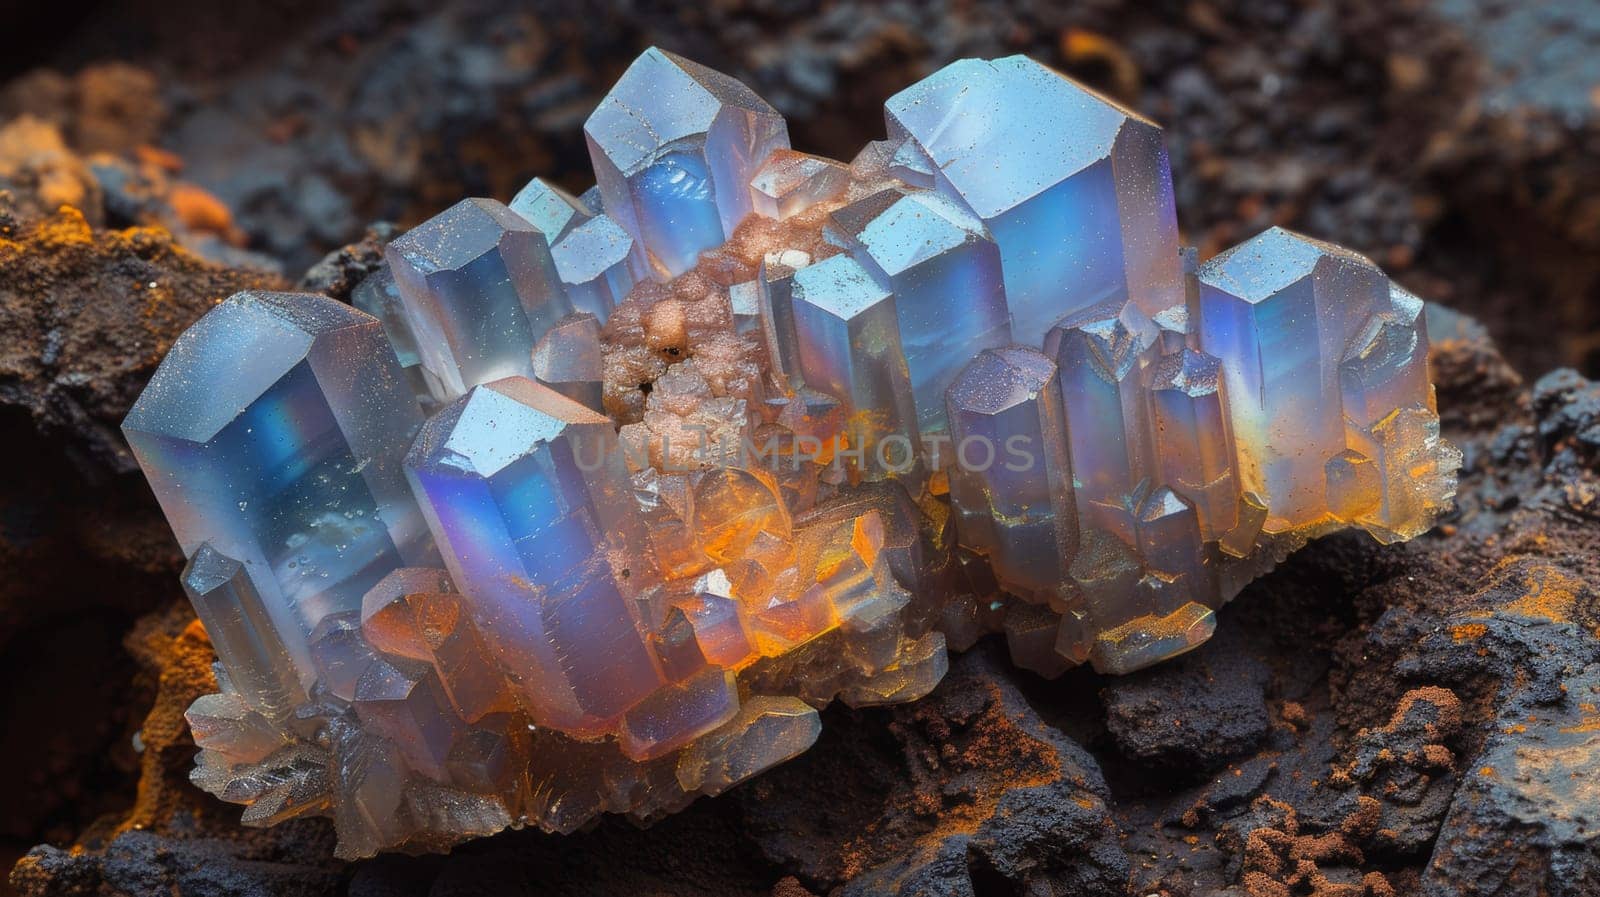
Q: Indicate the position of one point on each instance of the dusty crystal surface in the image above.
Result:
(591, 503)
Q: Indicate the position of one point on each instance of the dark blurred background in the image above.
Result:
(1454, 141)
(1457, 142)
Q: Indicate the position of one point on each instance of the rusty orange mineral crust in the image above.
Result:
(591, 502)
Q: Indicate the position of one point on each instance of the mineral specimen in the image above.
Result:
(639, 481)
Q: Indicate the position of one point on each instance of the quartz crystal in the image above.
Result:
(591, 503)
(274, 432)
(479, 287)
(1075, 189)
(675, 145)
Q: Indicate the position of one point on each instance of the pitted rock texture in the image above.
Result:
(1195, 713)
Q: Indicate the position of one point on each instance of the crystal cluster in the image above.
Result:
(591, 502)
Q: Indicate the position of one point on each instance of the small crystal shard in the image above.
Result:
(1100, 356)
(1193, 436)
(743, 431)
(571, 360)
(790, 183)
(249, 642)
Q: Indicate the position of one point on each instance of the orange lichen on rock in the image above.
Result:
(175, 647)
(34, 151)
(1549, 593)
(200, 210)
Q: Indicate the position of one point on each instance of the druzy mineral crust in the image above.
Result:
(591, 502)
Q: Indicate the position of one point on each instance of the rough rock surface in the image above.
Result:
(87, 316)
(1416, 719)
(1194, 713)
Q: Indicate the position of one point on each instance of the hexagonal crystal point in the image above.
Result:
(674, 146)
(597, 265)
(1011, 480)
(849, 347)
(944, 270)
(246, 633)
(1277, 311)
(1075, 189)
(549, 208)
(521, 487)
(479, 287)
(274, 430)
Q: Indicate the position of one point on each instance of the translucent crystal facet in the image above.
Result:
(479, 288)
(790, 183)
(1193, 436)
(550, 209)
(250, 644)
(1018, 507)
(674, 146)
(596, 264)
(570, 360)
(944, 271)
(1100, 356)
(848, 335)
(377, 295)
(521, 526)
(1081, 206)
(274, 430)
(1278, 311)
(603, 498)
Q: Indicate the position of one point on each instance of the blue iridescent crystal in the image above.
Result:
(674, 146)
(520, 486)
(847, 332)
(274, 430)
(597, 265)
(1278, 311)
(1019, 511)
(1081, 204)
(944, 270)
(742, 431)
(479, 287)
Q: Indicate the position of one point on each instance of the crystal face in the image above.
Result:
(675, 146)
(479, 287)
(274, 431)
(1076, 190)
(590, 504)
